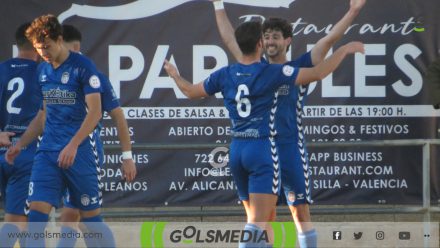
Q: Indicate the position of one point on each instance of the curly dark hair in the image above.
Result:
(45, 26)
(278, 24)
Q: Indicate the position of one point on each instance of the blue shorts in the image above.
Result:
(14, 182)
(49, 182)
(66, 196)
(254, 166)
(295, 177)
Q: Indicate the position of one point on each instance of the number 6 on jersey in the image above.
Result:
(243, 103)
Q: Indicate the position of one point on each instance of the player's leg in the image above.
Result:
(14, 187)
(69, 223)
(83, 181)
(45, 189)
(295, 183)
(13, 223)
(261, 161)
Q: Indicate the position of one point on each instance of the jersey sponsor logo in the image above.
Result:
(141, 9)
(85, 200)
(243, 74)
(43, 78)
(94, 82)
(58, 96)
(65, 78)
(18, 65)
(288, 70)
(284, 90)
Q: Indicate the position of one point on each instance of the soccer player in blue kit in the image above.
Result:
(70, 214)
(67, 155)
(250, 91)
(277, 37)
(20, 98)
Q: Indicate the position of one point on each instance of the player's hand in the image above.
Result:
(170, 69)
(12, 153)
(67, 156)
(355, 47)
(128, 170)
(356, 5)
(5, 138)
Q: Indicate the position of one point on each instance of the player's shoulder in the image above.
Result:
(285, 69)
(105, 81)
(81, 60)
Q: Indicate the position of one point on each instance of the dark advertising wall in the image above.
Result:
(376, 96)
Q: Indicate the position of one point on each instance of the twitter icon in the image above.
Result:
(357, 236)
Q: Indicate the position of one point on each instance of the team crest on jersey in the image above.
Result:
(94, 82)
(288, 70)
(85, 200)
(291, 196)
(65, 78)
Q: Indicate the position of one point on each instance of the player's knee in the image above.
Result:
(301, 212)
(69, 215)
(40, 206)
(90, 213)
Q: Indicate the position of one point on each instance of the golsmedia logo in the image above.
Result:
(191, 234)
(165, 234)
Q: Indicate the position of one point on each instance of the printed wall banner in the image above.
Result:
(379, 95)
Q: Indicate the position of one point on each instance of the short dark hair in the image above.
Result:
(248, 34)
(71, 33)
(20, 37)
(278, 24)
(45, 26)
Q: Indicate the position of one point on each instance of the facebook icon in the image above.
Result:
(337, 235)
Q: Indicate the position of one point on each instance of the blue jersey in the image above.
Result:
(290, 105)
(250, 96)
(109, 100)
(64, 90)
(20, 95)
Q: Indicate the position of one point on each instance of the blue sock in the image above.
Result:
(251, 237)
(308, 239)
(37, 225)
(90, 241)
(8, 235)
(95, 225)
(22, 240)
(68, 237)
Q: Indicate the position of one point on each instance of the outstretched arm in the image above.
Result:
(320, 71)
(322, 47)
(226, 30)
(192, 91)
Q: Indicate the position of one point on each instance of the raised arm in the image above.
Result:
(320, 71)
(192, 91)
(322, 47)
(226, 30)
